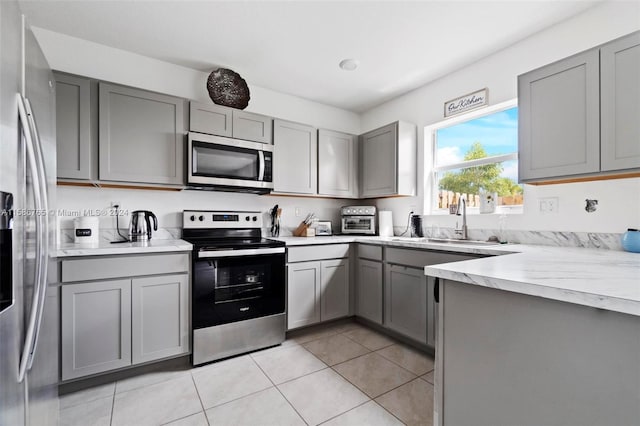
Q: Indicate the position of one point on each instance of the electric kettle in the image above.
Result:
(140, 226)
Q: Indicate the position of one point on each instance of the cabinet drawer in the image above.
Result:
(368, 251)
(420, 258)
(123, 266)
(319, 252)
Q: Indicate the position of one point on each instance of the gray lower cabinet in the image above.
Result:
(620, 97)
(96, 327)
(304, 289)
(334, 297)
(388, 161)
(406, 301)
(432, 312)
(73, 127)
(159, 317)
(118, 311)
(141, 136)
(369, 290)
(337, 164)
(295, 158)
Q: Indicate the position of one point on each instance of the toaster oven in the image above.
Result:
(359, 220)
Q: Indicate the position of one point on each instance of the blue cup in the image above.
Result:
(631, 240)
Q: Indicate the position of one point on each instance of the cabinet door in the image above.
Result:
(295, 158)
(159, 317)
(96, 327)
(369, 290)
(337, 164)
(252, 127)
(432, 315)
(406, 301)
(73, 127)
(141, 136)
(379, 162)
(620, 97)
(303, 294)
(210, 118)
(334, 298)
(558, 118)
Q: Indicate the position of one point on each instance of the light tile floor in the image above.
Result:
(343, 374)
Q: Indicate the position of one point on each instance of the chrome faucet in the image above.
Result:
(462, 232)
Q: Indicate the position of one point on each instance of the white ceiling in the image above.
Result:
(295, 47)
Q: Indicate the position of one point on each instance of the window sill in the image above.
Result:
(475, 211)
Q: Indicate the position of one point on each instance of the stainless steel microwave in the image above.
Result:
(216, 162)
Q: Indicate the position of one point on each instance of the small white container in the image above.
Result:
(385, 223)
(488, 202)
(86, 230)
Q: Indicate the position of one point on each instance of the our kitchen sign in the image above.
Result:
(466, 103)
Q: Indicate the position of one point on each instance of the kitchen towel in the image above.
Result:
(385, 223)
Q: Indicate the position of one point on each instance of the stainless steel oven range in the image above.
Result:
(238, 284)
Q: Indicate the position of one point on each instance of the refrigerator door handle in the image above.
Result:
(36, 164)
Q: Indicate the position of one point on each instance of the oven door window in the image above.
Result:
(357, 224)
(225, 161)
(233, 289)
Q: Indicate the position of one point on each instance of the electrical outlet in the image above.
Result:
(548, 205)
(297, 211)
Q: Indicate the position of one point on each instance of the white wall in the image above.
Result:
(619, 200)
(77, 56)
(82, 57)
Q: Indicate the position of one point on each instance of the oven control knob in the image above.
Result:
(193, 218)
(201, 218)
(255, 218)
(247, 218)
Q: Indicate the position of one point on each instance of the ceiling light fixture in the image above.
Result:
(349, 64)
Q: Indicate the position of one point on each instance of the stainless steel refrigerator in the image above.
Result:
(29, 292)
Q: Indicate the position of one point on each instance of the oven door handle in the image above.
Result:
(243, 252)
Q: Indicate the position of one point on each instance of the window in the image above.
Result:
(476, 156)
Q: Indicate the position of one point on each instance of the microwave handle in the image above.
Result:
(261, 165)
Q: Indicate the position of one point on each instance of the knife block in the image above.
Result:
(303, 230)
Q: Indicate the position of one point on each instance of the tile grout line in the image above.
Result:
(113, 402)
(351, 409)
(280, 392)
(193, 380)
(401, 366)
(374, 400)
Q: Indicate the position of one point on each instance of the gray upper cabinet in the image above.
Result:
(295, 158)
(578, 117)
(620, 97)
(73, 127)
(558, 118)
(96, 327)
(252, 127)
(233, 123)
(210, 118)
(406, 302)
(141, 136)
(159, 317)
(388, 161)
(337, 164)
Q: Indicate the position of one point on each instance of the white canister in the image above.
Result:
(86, 230)
(488, 202)
(385, 223)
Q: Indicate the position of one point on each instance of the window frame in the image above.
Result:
(431, 171)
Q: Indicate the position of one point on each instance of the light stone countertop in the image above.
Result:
(106, 248)
(600, 278)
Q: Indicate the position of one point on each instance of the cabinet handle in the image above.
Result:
(436, 290)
